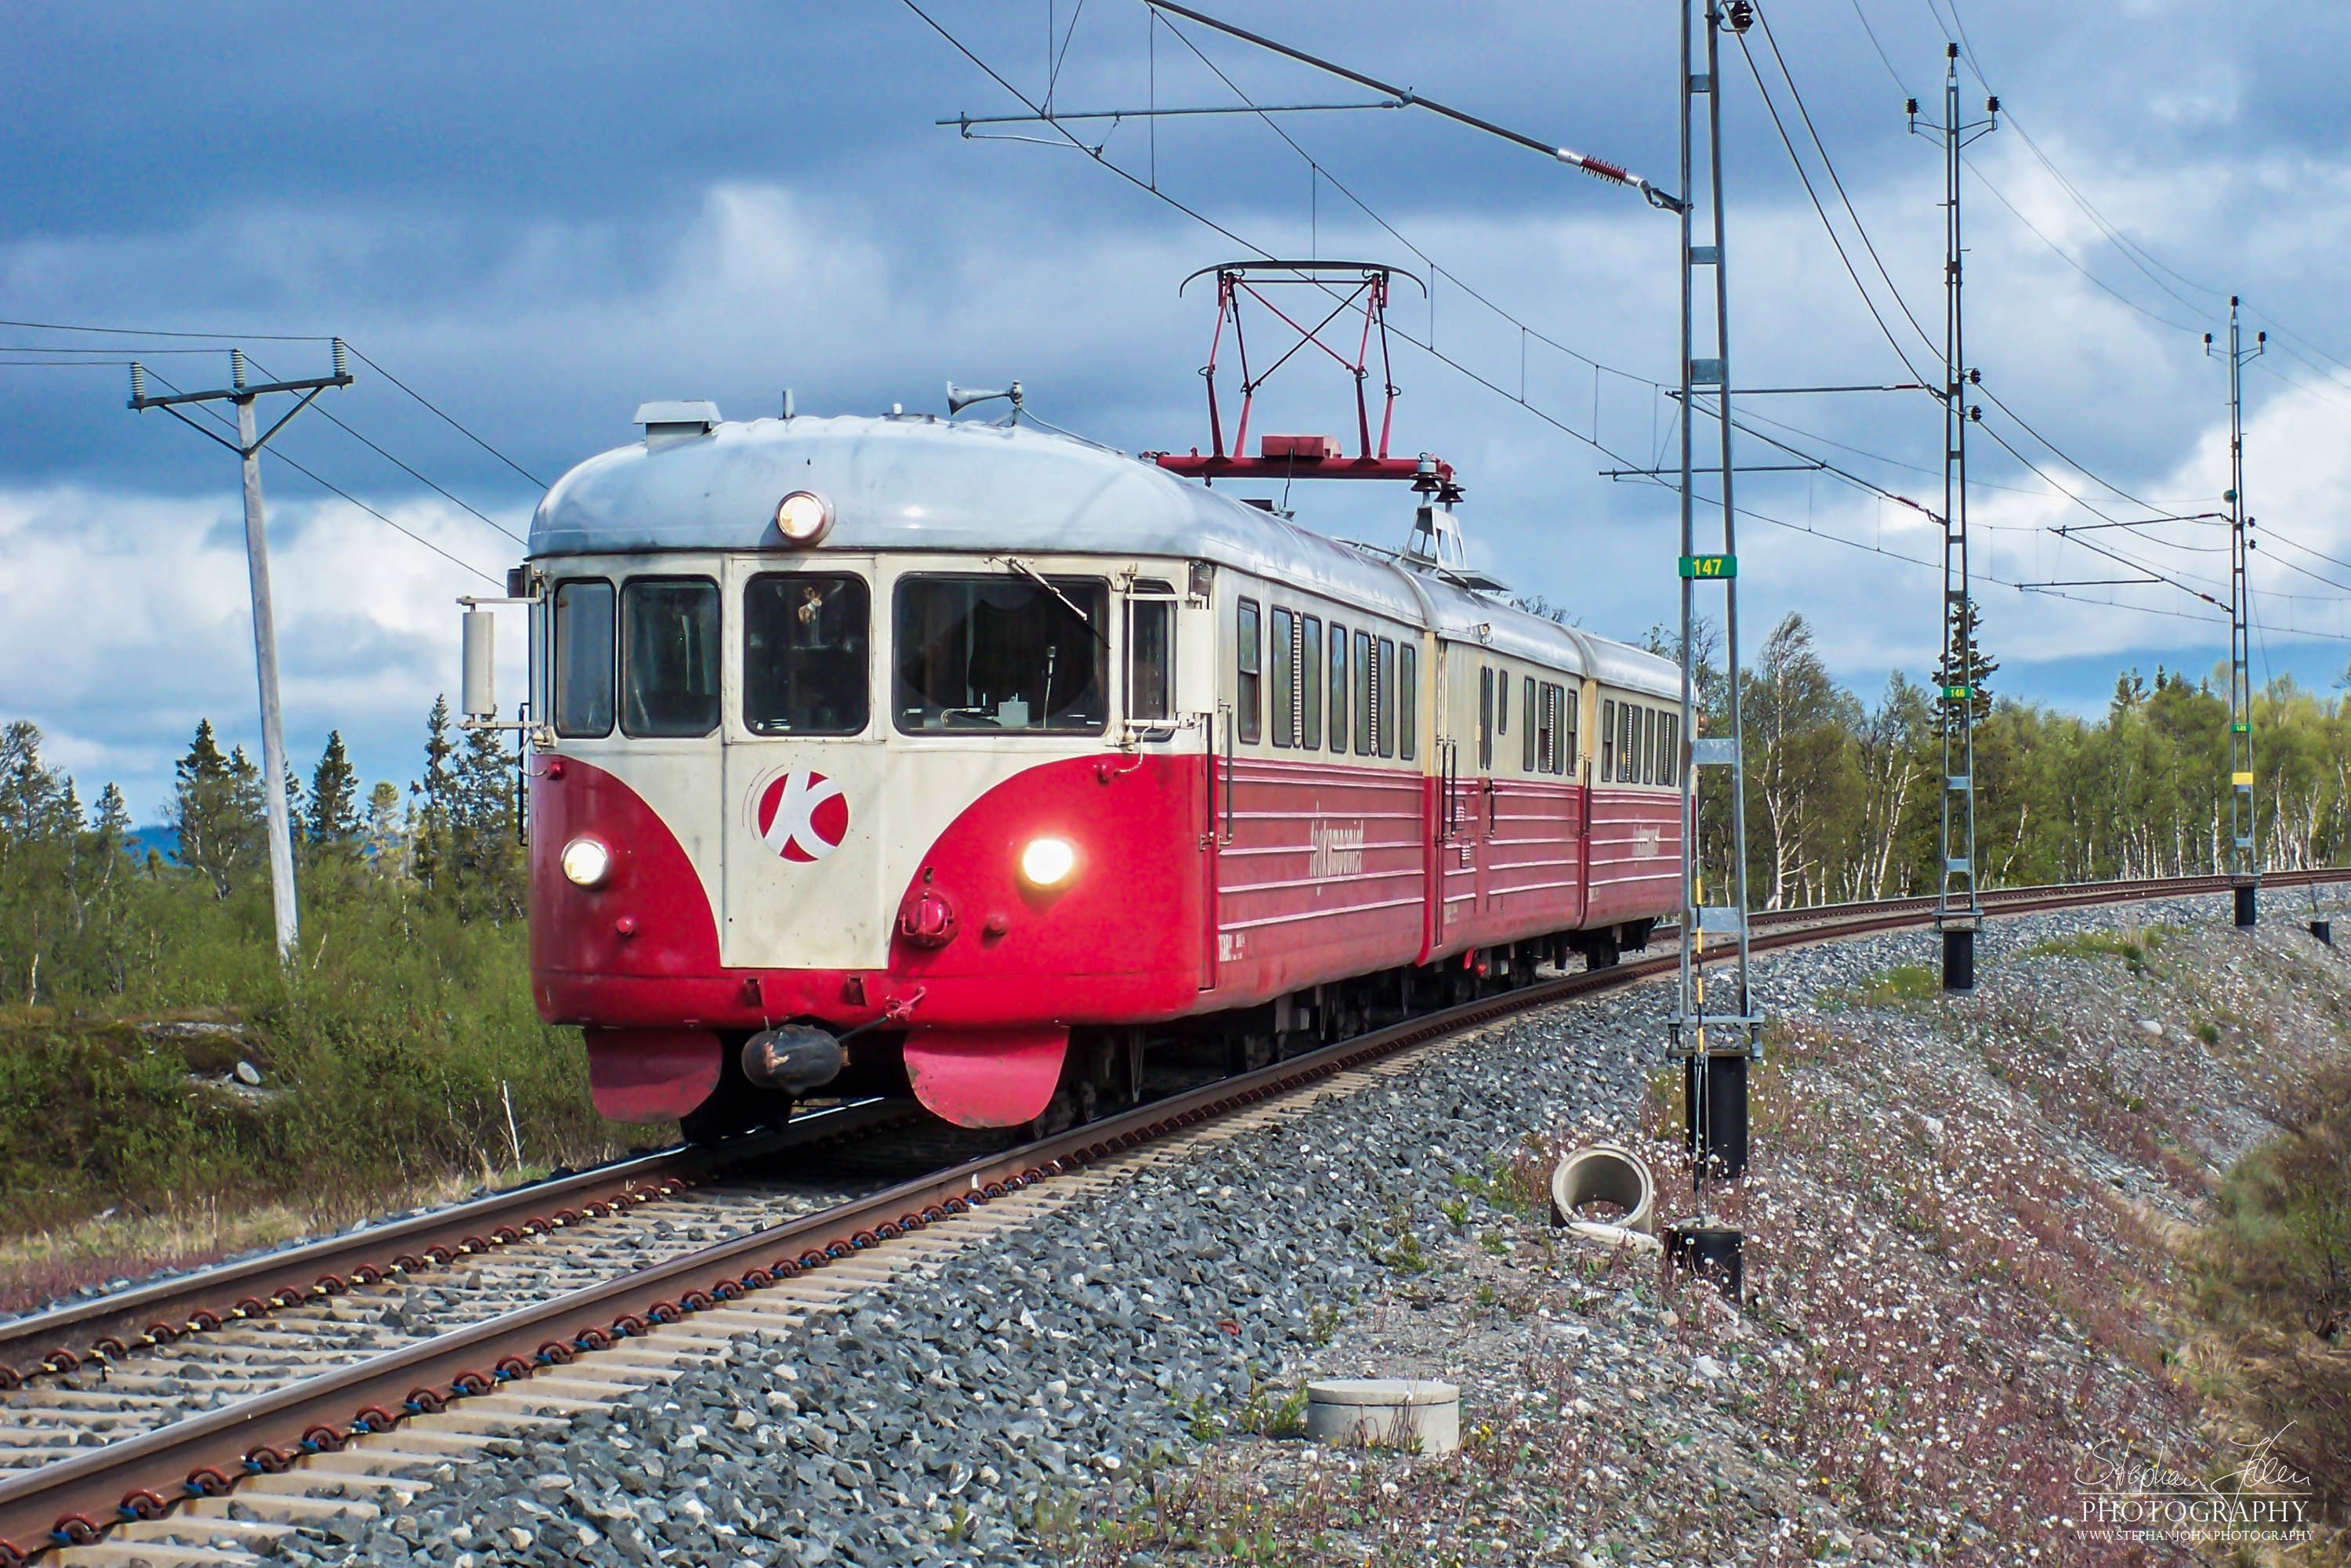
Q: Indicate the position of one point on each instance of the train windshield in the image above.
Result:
(669, 656)
(804, 655)
(1002, 654)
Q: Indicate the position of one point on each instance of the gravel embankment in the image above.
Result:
(1923, 1337)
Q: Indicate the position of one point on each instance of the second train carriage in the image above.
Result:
(892, 742)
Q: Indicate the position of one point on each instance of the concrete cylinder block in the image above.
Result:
(1420, 1414)
(1607, 1173)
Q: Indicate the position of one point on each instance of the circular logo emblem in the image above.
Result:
(803, 816)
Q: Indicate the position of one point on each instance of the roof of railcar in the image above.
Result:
(914, 481)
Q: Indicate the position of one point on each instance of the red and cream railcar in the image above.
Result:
(999, 757)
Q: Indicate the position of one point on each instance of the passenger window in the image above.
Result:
(1338, 687)
(1386, 700)
(1248, 684)
(1002, 654)
(583, 658)
(1648, 746)
(1608, 741)
(1486, 717)
(1628, 731)
(804, 655)
(1669, 753)
(669, 656)
(1283, 672)
(1565, 762)
(1408, 702)
(1529, 735)
(1150, 653)
(1365, 716)
(1310, 680)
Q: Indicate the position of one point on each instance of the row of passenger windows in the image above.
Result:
(1283, 675)
(1000, 653)
(973, 652)
(1546, 722)
(1639, 743)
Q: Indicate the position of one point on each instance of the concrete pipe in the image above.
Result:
(1611, 1173)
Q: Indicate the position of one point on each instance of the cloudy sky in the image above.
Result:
(538, 215)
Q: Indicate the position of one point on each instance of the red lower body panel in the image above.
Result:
(1289, 873)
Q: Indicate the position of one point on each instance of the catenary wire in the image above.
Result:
(1797, 96)
(1473, 375)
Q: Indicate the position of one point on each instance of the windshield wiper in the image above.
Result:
(1030, 572)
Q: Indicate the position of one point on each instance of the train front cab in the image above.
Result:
(941, 807)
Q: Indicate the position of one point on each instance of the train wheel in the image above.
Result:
(1251, 1051)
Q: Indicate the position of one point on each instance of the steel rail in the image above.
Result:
(104, 1328)
(76, 1499)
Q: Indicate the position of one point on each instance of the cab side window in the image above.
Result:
(1151, 654)
(584, 661)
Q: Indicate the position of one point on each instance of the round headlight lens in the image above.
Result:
(803, 517)
(586, 861)
(1048, 863)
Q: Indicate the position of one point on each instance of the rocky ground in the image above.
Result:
(1963, 1290)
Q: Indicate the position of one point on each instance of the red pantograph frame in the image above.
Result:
(1306, 458)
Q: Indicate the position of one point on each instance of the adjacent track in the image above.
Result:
(75, 1499)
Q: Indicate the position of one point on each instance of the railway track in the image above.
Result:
(320, 1402)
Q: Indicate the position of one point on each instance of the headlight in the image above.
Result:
(803, 517)
(1048, 861)
(587, 862)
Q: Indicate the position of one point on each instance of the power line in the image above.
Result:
(411, 473)
(448, 419)
(159, 332)
(355, 501)
(264, 337)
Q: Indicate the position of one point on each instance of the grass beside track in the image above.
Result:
(387, 1053)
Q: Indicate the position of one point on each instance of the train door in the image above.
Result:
(1200, 704)
(1460, 804)
(807, 783)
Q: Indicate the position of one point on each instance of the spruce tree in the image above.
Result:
(385, 836)
(482, 826)
(113, 821)
(1965, 664)
(215, 811)
(333, 821)
(435, 796)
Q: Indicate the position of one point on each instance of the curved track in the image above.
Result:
(543, 1356)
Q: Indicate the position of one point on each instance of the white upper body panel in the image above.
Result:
(917, 483)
